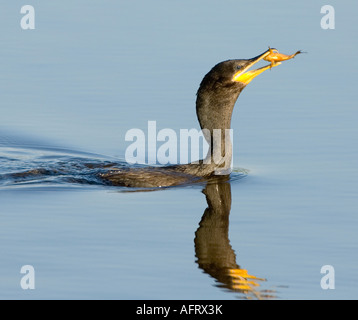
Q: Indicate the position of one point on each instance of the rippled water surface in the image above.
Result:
(70, 90)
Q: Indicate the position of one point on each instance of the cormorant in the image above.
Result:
(215, 102)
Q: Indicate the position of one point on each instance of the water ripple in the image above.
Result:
(49, 167)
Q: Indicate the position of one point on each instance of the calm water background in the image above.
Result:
(89, 72)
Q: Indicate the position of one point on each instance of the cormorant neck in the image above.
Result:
(214, 107)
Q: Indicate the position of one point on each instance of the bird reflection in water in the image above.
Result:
(213, 251)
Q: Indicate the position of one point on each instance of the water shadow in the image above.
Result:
(213, 250)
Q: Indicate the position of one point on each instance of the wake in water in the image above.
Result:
(23, 166)
(31, 164)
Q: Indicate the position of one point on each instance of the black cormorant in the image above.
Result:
(215, 102)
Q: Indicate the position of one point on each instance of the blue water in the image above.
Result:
(71, 88)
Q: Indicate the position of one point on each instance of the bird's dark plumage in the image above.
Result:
(216, 97)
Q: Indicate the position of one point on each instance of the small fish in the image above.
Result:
(275, 56)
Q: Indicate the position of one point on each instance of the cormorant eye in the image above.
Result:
(238, 67)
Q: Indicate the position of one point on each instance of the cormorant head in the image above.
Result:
(234, 73)
(221, 87)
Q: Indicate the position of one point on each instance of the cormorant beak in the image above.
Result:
(245, 76)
